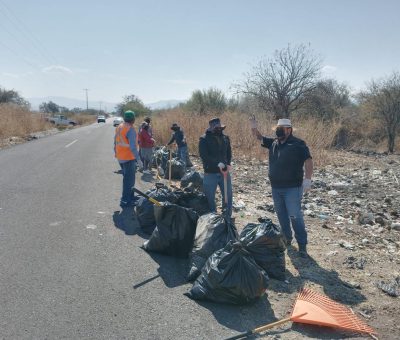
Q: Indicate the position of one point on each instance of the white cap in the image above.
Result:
(284, 122)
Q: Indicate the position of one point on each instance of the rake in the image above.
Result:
(317, 309)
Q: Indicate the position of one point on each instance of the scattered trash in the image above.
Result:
(391, 288)
(354, 263)
(91, 226)
(346, 245)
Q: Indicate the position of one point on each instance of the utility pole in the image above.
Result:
(87, 102)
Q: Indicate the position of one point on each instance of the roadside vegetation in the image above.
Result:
(288, 84)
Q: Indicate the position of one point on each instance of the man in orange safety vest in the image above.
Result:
(126, 151)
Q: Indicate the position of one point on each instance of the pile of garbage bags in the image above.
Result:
(178, 169)
(192, 180)
(161, 161)
(174, 232)
(225, 267)
(265, 242)
(213, 232)
(230, 275)
(145, 209)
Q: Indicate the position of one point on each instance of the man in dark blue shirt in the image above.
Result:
(179, 138)
(287, 157)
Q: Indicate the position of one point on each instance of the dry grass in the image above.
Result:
(16, 121)
(82, 119)
(319, 137)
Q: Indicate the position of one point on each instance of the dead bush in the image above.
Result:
(16, 121)
(318, 136)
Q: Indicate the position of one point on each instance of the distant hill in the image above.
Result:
(71, 103)
(164, 104)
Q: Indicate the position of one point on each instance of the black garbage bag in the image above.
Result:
(145, 209)
(177, 169)
(194, 178)
(230, 275)
(194, 200)
(213, 232)
(189, 163)
(265, 242)
(161, 157)
(145, 215)
(175, 230)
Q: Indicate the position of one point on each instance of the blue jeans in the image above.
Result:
(129, 172)
(182, 153)
(210, 183)
(287, 203)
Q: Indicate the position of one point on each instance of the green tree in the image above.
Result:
(12, 97)
(207, 101)
(326, 100)
(49, 107)
(133, 103)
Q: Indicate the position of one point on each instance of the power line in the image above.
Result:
(20, 56)
(27, 33)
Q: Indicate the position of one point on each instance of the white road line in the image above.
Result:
(68, 145)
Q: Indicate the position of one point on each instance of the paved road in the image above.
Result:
(71, 266)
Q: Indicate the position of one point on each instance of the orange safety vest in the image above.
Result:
(123, 151)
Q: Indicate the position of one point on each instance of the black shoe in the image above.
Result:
(303, 251)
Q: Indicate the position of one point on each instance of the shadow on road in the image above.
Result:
(241, 318)
(172, 270)
(147, 177)
(126, 221)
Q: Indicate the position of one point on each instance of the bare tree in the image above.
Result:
(382, 98)
(279, 84)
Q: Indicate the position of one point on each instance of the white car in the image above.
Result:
(101, 119)
(117, 121)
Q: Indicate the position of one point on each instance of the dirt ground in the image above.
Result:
(353, 222)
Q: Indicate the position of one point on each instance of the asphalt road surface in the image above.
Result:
(71, 266)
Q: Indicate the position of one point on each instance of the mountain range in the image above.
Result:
(71, 103)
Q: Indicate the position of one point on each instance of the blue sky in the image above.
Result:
(162, 50)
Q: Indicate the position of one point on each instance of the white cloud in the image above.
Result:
(57, 69)
(329, 69)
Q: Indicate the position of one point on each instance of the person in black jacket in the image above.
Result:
(287, 157)
(179, 138)
(216, 155)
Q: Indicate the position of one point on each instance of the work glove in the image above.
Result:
(253, 123)
(222, 166)
(139, 164)
(306, 185)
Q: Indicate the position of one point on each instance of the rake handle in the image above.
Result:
(170, 166)
(151, 199)
(263, 328)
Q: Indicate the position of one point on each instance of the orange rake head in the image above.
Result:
(322, 311)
